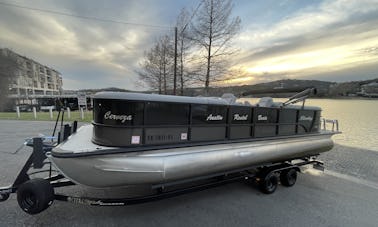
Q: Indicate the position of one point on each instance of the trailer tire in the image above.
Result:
(269, 184)
(288, 177)
(4, 197)
(35, 196)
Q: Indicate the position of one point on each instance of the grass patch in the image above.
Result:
(45, 116)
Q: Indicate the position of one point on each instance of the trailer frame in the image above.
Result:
(265, 176)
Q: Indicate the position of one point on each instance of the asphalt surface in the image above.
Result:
(338, 197)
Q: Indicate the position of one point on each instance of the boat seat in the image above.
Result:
(268, 102)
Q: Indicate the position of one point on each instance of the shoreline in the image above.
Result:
(346, 98)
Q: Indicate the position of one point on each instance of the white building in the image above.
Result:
(32, 78)
(369, 90)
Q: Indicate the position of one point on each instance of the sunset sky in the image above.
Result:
(303, 39)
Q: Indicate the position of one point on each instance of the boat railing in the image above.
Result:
(333, 123)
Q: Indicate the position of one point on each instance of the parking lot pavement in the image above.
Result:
(316, 200)
(356, 162)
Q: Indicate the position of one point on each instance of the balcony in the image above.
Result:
(38, 92)
(12, 91)
(29, 65)
(29, 74)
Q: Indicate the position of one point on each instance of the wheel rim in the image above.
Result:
(28, 201)
(271, 183)
(4, 197)
(291, 177)
(35, 195)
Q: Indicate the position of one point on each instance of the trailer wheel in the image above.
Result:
(288, 177)
(4, 197)
(269, 184)
(34, 196)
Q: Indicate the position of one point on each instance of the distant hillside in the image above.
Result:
(93, 91)
(348, 88)
(275, 88)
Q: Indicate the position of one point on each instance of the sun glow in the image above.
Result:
(239, 80)
(330, 58)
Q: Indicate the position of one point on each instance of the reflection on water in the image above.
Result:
(358, 120)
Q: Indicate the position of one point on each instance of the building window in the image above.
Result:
(38, 92)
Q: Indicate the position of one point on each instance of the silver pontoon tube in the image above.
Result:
(161, 166)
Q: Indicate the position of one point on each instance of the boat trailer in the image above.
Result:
(36, 194)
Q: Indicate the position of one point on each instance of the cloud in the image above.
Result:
(290, 39)
(75, 46)
(331, 37)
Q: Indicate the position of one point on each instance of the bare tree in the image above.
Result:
(157, 66)
(213, 30)
(8, 71)
(167, 61)
(184, 44)
(203, 53)
(150, 72)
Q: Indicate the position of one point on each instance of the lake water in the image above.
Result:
(358, 120)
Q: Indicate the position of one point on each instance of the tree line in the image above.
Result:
(199, 52)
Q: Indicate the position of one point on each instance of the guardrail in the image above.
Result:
(51, 111)
(334, 124)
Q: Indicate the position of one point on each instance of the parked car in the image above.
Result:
(23, 108)
(47, 108)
